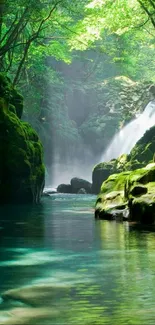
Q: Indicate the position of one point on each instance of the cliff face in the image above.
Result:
(115, 102)
(21, 155)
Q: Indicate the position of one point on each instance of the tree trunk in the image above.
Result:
(2, 4)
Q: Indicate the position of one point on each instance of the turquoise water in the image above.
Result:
(60, 266)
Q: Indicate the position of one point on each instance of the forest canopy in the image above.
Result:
(31, 30)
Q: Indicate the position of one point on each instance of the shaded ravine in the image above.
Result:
(59, 266)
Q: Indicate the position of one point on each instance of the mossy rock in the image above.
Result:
(140, 178)
(142, 209)
(128, 195)
(111, 202)
(21, 153)
(144, 149)
(142, 154)
(103, 170)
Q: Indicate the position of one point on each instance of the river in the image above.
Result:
(60, 266)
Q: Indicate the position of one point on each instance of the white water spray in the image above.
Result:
(128, 136)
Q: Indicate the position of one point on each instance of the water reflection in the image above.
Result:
(130, 262)
(22, 221)
(59, 266)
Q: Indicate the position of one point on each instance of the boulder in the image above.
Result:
(128, 196)
(142, 202)
(103, 170)
(79, 183)
(111, 202)
(22, 171)
(64, 188)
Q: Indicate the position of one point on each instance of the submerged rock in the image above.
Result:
(21, 153)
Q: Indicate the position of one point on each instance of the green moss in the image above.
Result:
(32, 134)
(133, 191)
(114, 182)
(21, 164)
(112, 196)
(144, 149)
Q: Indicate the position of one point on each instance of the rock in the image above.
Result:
(142, 210)
(114, 102)
(138, 190)
(142, 207)
(100, 173)
(82, 191)
(37, 295)
(35, 304)
(141, 154)
(79, 183)
(22, 172)
(103, 170)
(152, 90)
(64, 188)
(128, 195)
(144, 149)
(111, 203)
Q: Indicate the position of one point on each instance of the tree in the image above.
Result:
(115, 17)
(42, 25)
(149, 8)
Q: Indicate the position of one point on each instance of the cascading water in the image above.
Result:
(127, 137)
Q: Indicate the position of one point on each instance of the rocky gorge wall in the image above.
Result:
(114, 102)
(22, 170)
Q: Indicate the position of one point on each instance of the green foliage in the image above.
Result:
(95, 40)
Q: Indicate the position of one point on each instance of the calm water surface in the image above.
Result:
(60, 266)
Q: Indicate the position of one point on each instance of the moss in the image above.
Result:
(32, 134)
(114, 182)
(112, 196)
(12, 108)
(17, 100)
(144, 149)
(21, 164)
(133, 191)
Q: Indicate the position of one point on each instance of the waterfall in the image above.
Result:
(127, 137)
